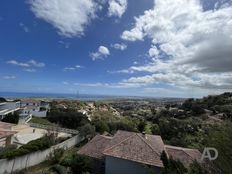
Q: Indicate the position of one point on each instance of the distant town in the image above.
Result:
(113, 135)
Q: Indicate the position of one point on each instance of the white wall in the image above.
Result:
(19, 163)
(39, 113)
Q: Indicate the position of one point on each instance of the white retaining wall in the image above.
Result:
(22, 162)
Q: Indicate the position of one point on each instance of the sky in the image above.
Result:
(157, 48)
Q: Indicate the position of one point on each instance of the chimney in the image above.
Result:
(144, 135)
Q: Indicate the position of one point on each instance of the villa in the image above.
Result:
(35, 107)
(129, 152)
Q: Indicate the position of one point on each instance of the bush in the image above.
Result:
(2, 99)
(67, 118)
(67, 161)
(35, 145)
(56, 155)
(87, 131)
(141, 126)
(101, 126)
(11, 118)
(155, 129)
(81, 164)
(220, 138)
(59, 169)
(8, 148)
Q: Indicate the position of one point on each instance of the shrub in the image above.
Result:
(56, 155)
(101, 126)
(141, 126)
(59, 169)
(81, 164)
(11, 118)
(35, 145)
(87, 131)
(69, 118)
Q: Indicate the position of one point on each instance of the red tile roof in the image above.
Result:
(184, 155)
(144, 149)
(95, 147)
(30, 101)
(136, 147)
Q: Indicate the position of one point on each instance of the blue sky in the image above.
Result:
(149, 48)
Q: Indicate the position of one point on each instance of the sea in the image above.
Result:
(82, 97)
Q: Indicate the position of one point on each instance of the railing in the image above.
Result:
(54, 128)
(28, 118)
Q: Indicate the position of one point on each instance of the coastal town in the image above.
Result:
(108, 136)
(116, 87)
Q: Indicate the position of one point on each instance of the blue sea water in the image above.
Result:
(83, 97)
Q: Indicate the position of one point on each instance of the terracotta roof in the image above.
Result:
(126, 145)
(184, 155)
(144, 149)
(30, 101)
(136, 147)
(95, 147)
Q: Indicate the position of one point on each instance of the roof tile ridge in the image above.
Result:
(92, 140)
(118, 143)
(179, 148)
(105, 136)
(147, 144)
(182, 149)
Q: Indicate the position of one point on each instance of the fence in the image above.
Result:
(23, 162)
(54, 128)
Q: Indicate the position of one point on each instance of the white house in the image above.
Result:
(34, 107)
(8, 107)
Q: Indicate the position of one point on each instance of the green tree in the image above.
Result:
(87, 130)
(141, 126)
(2, 99)
(68, 118)
(220, 138)
(81, 164)
(11, 118)
(155, 129)
(101, 126)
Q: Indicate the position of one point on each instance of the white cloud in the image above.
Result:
(119, 46)
(72, 68)
(117, 7)
(153, 51)
(64, 44)
(31, 70)
(110, 85)
(65, 83)
(126, 71)
(29, 66)
(196, 44)
(14, 62)
(9, 77)
(24, 27)
(36, 64)
(69, 17)
(102, 53)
